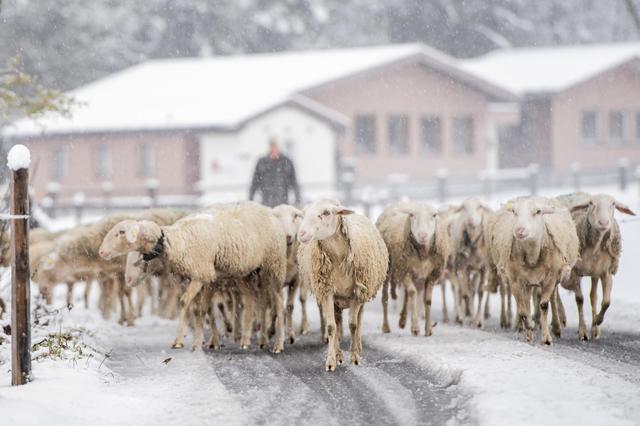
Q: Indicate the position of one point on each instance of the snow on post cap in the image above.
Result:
(19, 157)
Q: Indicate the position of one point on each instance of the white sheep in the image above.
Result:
(536, 246)
(468, 247)
(344, 260)
(229, 241)
(417, 241)
(291, 217)
(600, 249)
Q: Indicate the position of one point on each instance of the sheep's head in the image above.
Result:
(135, 270)
(472, 212)
(423, 220)
(124, 237)
(290, 217)
(600, 209)
(529, 215)
(321, 220)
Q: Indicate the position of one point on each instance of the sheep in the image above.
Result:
(600, 249)
(417, 242)
(536, 246)
(230, 241)
(290, 218)
(468, 243)
(344, 260)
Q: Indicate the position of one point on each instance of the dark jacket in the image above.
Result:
(274, 178)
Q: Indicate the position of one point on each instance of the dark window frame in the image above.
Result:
(365, 134)
(431, 134)
(467, 146)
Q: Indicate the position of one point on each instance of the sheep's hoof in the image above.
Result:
(556, 333)
(339, 357)
(355, 359)
(402, 322)
(546, 341)
(330, 366)
(428, 333)
(177, 345)
(528, 334)
(292, 339)
(197, 346)
(595, 332)
(385, 328)
(582, 335)
(487, 315)
(277, 349)
(415, 331)
(130, 323)
(214, 346)
(121, 321)
(304, 331)
(244, 347)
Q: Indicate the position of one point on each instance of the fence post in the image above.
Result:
(441, 178)
(534, 171)
(152, 189)
(575, 175)
(18, 161)
(623, 173)
(78, 205)
(53, 188)
(107, 189)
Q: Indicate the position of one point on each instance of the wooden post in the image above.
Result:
(20, 294)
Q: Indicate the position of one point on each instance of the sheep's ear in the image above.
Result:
(344, 212)
(298, 214)
(132, 232)
(580, 207)
(622, 208)
(486, 208)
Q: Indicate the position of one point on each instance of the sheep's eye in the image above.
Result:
(326, 213)
(434, 215)
(121, 232)
(539, 211)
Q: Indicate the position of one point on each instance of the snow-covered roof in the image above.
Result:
(222, 92)
(549, 69)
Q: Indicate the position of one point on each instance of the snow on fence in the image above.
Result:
(18, 160)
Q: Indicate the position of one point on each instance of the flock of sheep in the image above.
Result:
(231, 262)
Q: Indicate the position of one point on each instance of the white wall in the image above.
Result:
(308, 141)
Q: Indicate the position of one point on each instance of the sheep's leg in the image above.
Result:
(536, 307)
(509, 306)
(355, 309)
(291, 295)
(410, 289)
(385, 307)
(123, 307)
(479, 285)
(503, 305)
(455, 287)
(87, 291)
(199, 312)
(445, 312)
(428, 289)
(339, 333)
(523, 304)
(185, 301)
(140, 296)
(237, 316)
(555, 313)
(330, 320)
(607, 284)
(546, 293)
(467, 295)
(131, 314)
(403, 312)
(304, 323)
(562, 315)
(323, 325)
(487, 309)
(70, 293)
(247, 318)
(278, 305)
(227, 315)
(577, 288)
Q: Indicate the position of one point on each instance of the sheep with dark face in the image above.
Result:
(600, 249)
(417, 242)
(536, 247)
(344, 260)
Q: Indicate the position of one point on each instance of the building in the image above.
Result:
(578, 104)
(193, 129)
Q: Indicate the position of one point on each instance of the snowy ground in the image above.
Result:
(459, 375)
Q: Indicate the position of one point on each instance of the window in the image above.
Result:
(431, 135)
(398, 129)
(147, 166)
(463, 134)
(616, 126)
(589, 127)
(60, 163)
(365, 133)
(102, 164)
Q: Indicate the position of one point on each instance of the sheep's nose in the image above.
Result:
(289, 239)
(101, 253)
(604, 223)
(422, 236)
(128, 280)
(521, 232)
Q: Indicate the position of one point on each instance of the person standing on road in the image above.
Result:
(275, 177)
